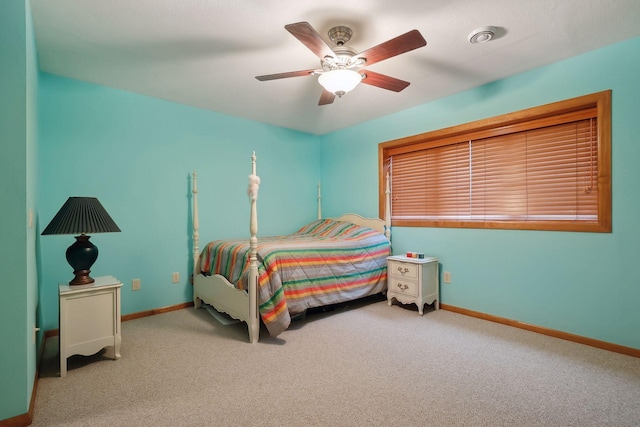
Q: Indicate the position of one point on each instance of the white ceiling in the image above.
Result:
(206, 53)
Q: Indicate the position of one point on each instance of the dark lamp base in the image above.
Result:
(81, 256)
(82, 278)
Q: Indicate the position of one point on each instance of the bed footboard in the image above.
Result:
(224, 297)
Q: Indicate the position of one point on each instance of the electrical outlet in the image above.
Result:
(446, 277)
(135, 284)
(175, 277)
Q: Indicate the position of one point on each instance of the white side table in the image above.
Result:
(89, 319)
(413, 280)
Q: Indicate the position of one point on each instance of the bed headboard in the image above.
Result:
(375, 223)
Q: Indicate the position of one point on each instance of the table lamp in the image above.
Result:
(81, 215)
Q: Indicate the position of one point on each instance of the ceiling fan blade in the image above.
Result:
(309, 37)
(383, 81)
(326, 98)
(401, 44)
(286, 75)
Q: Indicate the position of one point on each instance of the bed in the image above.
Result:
(327, 261)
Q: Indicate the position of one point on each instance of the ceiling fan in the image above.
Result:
(341, 67)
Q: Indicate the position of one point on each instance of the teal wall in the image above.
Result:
(581, 283)
(32, 317)
(135, 154)
(62, 138)
(18, 91)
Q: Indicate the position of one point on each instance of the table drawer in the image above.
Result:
(403, 286)
(403, 269)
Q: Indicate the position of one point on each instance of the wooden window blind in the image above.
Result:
(431, 183)
(544, 168)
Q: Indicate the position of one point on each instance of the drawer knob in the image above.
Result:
(403, 270)
(403, 287)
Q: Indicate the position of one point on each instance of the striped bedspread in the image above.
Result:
(325, 262)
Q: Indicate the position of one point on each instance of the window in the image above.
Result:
(545, 168)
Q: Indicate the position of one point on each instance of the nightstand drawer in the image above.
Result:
(403, 269)
(403, 286)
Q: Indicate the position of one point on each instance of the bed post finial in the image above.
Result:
(196, 225)
(253, 163)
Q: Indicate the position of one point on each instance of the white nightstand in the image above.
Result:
(413, 280)
(89, 319)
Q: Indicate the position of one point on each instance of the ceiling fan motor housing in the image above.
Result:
(344, 55)
(342, 59)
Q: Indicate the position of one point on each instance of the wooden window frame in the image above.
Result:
(531, 118)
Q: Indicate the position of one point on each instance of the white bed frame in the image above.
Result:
(218, 292)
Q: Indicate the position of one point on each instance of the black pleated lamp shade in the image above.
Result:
(81, 216)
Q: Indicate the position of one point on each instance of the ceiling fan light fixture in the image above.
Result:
(339, 82)
(482, 35)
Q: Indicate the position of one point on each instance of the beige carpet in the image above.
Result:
(360, 365)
